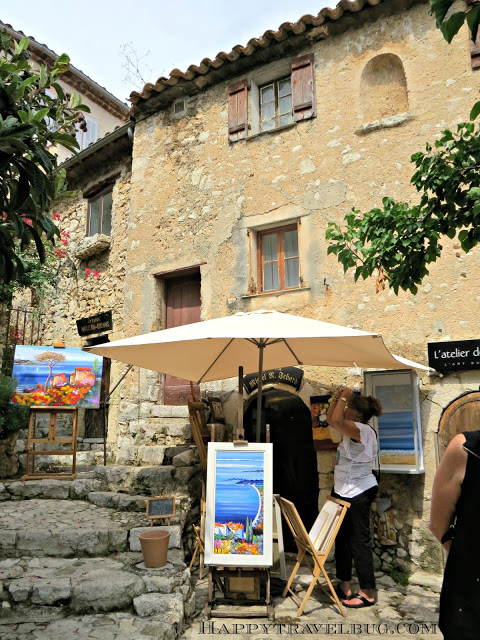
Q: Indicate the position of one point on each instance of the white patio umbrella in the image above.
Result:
(257, 340)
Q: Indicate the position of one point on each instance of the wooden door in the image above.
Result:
(463, 414)
(183, 307)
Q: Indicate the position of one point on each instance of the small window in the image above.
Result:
(89, 135)
(278, 259)
(276, 104)
(179, 107)
(100, 213)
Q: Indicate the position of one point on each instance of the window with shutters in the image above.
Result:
(276, 104)
(99, 218)
(87, 135)
(272, 97)
(278, 259)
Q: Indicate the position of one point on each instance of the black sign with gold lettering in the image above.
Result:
(462, 355)
(95, 324)
(287, 375)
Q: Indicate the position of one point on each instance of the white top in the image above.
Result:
(353, 471)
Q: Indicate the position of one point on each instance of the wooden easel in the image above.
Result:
(239, 586)
(51, 439)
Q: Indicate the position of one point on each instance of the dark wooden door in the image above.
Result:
(183, 307)
(463, 414)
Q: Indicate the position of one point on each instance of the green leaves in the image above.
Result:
(32, 121)
(450, 21)
(402, 239)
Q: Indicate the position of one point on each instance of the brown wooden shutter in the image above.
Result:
(475, 51)
(237, 111)
(303, 88)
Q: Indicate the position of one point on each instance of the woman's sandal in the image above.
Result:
(341, 594)
(363, 602)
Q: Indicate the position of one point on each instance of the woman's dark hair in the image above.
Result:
(367, 406)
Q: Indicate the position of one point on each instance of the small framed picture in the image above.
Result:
(216, 409)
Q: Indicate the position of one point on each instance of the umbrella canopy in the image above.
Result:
(214, 349)
(257, 340)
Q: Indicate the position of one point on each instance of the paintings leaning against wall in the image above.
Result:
(238, 525)
(52, 377)
(399, 428)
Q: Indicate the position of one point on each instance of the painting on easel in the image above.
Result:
(52, 377)
(238, 529)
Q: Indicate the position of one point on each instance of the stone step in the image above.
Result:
(63, 528)
(49, 589)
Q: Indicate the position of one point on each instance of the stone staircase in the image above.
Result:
(70, 558)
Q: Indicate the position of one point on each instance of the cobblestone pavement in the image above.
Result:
(400, 612)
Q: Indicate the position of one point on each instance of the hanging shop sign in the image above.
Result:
(95, 324)
(461, 355)
(287, 375)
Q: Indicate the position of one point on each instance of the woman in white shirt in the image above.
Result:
(354, 482)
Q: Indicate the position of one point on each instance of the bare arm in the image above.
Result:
(447, 486)
(336, 415)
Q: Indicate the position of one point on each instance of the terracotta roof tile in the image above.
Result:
(306, 23)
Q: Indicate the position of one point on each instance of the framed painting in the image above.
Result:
(216, 409)
(238, 524)
(325, 438)
(52, 377)
(398, 428)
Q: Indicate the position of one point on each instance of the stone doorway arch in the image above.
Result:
(295, 474)
(462, 414)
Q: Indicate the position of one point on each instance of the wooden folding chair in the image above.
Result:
(316, 543)
(196, 413)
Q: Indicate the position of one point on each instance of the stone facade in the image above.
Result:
(190, 197)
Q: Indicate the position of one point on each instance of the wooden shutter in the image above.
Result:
(474, 50)
(303, 88)
(237, 111)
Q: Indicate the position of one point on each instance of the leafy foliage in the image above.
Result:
(12, 417)
(400, 240)
(35, 114)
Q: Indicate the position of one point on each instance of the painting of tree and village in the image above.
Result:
(50, 377)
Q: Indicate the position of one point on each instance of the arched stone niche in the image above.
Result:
(383, 88)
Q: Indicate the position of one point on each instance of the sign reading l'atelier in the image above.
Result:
(462, 355)
(287, 375)
(95, 324)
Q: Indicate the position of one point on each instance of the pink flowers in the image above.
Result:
(93, 273)
(56, 216)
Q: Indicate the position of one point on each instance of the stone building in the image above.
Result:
(106, 111)
(220, 205)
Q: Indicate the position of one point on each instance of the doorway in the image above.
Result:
(183, 303)
(463, 414)
(295, 475)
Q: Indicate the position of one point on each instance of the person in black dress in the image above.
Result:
(454, 521)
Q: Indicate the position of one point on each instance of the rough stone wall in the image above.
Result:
(201, 196)
(196, 199)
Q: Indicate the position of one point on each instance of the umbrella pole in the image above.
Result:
(240, 431)
(260, 390)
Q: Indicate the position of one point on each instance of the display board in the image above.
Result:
(160, 507)
(238, 527)
(398, 428)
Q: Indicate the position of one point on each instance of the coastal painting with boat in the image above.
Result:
(52, 377)
(239, 495)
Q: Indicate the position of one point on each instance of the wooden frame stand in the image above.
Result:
(240, 587)
(51, 439)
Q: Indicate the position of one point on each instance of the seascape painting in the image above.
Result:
(52, 377)
(239, 505)
(399, 433)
